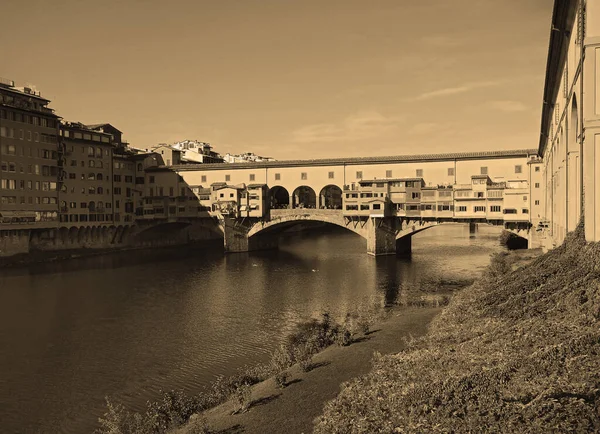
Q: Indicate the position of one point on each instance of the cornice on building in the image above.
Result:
(563, 18)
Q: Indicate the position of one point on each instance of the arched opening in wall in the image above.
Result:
(304, 197)
(330, 197)
(279, 197)
(574, 155)
(73, 231)
(573, 126)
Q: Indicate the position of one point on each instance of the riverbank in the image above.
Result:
(518, 351)
(292, 409)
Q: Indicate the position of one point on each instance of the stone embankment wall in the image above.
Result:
(23, 243)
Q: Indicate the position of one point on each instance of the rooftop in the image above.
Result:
(518, 153)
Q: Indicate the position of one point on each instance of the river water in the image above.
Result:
(128, 325)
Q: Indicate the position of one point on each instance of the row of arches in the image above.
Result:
(330, 197)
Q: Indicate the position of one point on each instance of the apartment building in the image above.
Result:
(29, 159)
(86, 195)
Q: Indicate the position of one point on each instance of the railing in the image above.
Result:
(296, 211)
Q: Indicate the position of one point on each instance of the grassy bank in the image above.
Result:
(175, 408)
(518, 351)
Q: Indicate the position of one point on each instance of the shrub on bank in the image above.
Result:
(515, 352)
(175, 408)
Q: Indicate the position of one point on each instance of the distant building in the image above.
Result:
(193, 151)
(170, 155)
(245, 158)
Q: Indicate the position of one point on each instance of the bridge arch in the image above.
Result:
(330, 197)
(280, 222)
(279, 197)
(304, 197)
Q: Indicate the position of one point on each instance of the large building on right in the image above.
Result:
(570, 127)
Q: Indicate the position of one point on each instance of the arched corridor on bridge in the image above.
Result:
(304, 197)
(279, 197)
(330, 197)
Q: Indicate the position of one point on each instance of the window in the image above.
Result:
(525, 211)
(330, 175)
(537, 169)
(151, 180)
(304, 176)
(483, 170)
(203, 178)
(524, 198)
(479, 208)
(376, 206)
(227, 178)
(277, 176)
(537, 202)
(462, 209)
(537, 185)
(450, 171)
(495, 208)
(171, 191)
(252, 177)
(518, 168)
(416, 195)
(388, 173)
(419, 173)
(359, 175)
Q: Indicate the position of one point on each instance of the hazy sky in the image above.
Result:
(290, 78)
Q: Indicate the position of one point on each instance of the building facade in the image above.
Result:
(570, 128)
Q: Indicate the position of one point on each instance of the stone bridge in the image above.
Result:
(384, 235)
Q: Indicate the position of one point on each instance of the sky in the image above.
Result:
(290, 78)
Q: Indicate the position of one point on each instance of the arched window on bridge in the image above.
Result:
(304, 197)
(279, 197)
(330, 197)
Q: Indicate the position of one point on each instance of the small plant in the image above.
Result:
(243, 397)
(343, 337)
(306, 364)
(198, 424)
(281, 379)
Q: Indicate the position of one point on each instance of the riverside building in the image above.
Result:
(29, 167)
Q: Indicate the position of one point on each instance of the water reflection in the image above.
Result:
(130, 324)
